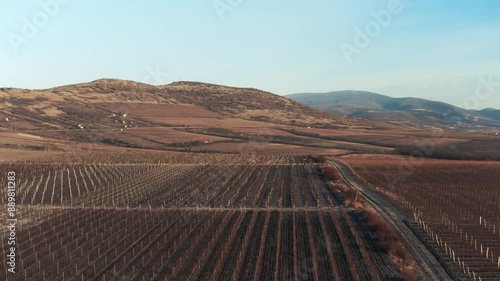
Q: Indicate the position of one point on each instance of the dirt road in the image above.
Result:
(395, 215)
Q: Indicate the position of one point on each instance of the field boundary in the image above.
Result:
(394, 215)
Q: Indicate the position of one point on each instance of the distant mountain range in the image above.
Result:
(374, 106)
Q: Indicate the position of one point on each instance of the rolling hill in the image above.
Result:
(489, 112)
(177, 116)
(407, 110)
(193, 116)
(90, 105)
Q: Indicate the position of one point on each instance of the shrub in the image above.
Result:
(318, 158)
(391, 244)
(331, 174)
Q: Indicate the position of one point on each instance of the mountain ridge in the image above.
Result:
(374, 106)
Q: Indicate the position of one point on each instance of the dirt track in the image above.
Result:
(430, 267)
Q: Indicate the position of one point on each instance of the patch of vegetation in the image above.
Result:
(392, 244)
(118, 142)
(482, 150)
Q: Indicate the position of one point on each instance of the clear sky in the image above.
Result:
(445, 50)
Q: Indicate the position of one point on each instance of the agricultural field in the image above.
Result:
(427, 142)
(263, 148)
(170, 185)
(9, 155)
(172, 136)
(456, 205)
(208, 122)
(238, 189)
(225, 218)
(133, 244)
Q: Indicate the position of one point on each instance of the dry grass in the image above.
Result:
(331, 174)
(318, 158)
(392, 244)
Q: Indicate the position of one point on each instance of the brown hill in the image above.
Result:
(91, 104)
(251, 104)
(191, 116)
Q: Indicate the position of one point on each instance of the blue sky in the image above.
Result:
(441, 50)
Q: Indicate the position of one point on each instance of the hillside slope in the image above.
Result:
(490, 112)
(251, 104)
(91, 105)
(410, 110)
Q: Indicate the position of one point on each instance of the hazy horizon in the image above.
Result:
(446, 51)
